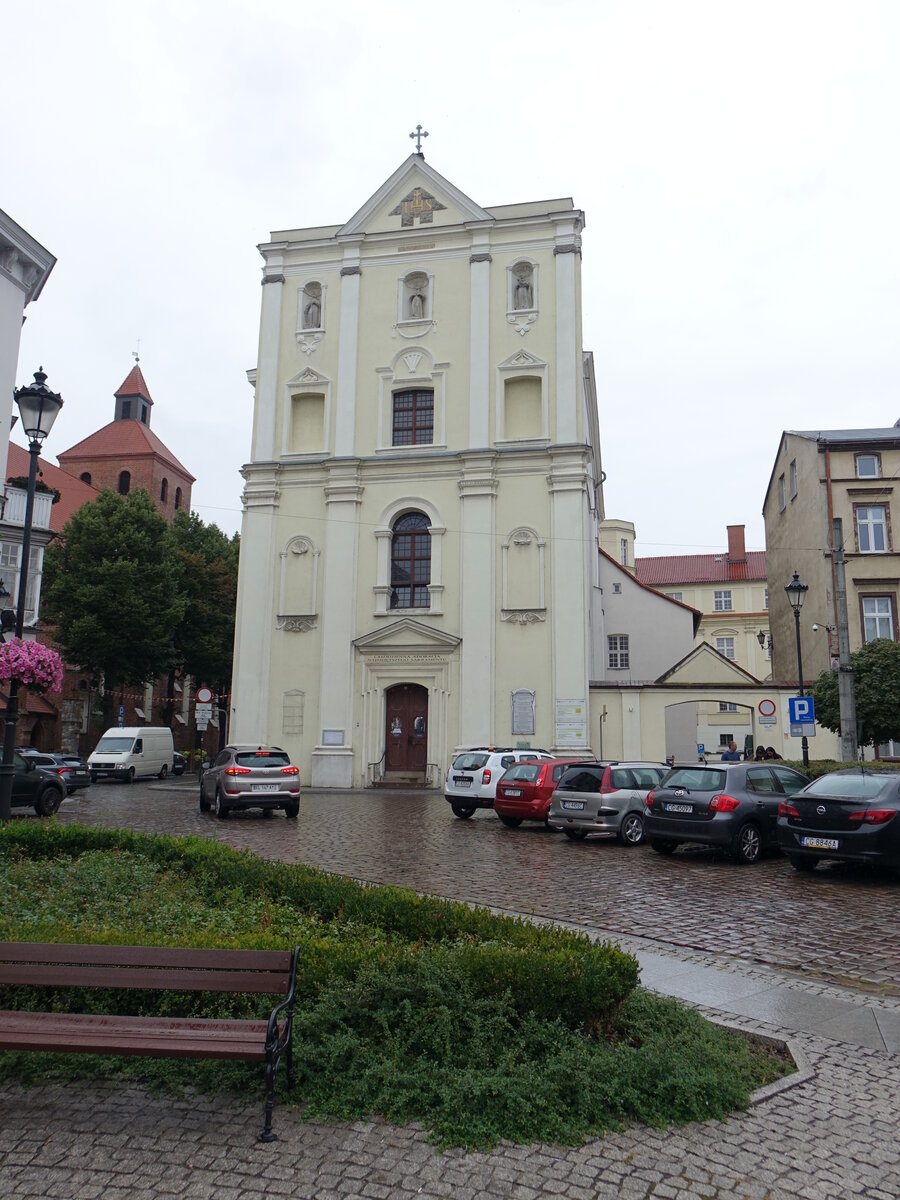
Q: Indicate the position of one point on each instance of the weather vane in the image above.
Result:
(419, 133)
(136, 354)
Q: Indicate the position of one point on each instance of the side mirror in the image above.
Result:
(204, 766)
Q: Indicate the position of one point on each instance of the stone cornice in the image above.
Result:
(23, 261)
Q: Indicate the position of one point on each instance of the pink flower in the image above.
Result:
(30, 663)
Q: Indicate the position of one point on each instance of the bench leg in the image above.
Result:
(268, 1135)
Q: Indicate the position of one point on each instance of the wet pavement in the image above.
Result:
(813, 959)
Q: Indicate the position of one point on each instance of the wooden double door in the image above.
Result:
(406, 727)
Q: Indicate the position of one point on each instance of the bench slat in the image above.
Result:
(151, 978)
(161, 956)
(158, 1037)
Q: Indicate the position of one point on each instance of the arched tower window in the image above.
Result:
(164, 491)
(124, 483)
(410, 561)
(85, 477)
(178, 498)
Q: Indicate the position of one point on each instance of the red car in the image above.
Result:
(525, 791)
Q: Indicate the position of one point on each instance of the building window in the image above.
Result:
(878, 618)
(410, 561)
(725, 706)
(617, 589)
(722, 601)
(144, 414)
(164, 491)
(782, 497)
(124, 483)
(766, 599)
(674, 595)
(617, 645)
(126, 410)
(793, 477)
(177, 498)
(725, 646)
(623, 551)
(413, 418)
(871, 529)
(725, 740)
(10, 557)
(868, 466)
(85, 477)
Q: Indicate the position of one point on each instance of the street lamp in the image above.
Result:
(38, 409)
(796, 594)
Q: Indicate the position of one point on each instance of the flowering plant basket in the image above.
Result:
(31, 664)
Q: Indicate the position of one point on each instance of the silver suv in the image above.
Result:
(472, 779)
(605, 798)
(250, 777)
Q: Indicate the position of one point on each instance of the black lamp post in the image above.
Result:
(796, 594)
(38, 409)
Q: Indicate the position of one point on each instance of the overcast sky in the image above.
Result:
(737, 164)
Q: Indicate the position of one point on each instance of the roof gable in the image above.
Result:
(704, 665)
(396, 207)
(407, 635)
(121, 439)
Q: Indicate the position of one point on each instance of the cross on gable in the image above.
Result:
(418, 203)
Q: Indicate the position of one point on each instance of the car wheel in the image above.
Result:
(577, 835)
(663, 846)
(221, 806)
(48, 801)
(747, 845)
(93, 777)
(291, 810)
(463, 811)
(204, 803)
(511, 822)
(129, 777)
(631, 831)
(163, 771)
(802, 862)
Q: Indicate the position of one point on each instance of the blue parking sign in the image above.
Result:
(801, 710)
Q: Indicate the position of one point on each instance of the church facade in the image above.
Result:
(419, 544)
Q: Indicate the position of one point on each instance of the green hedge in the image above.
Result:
(824, 766)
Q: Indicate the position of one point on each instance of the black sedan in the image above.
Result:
(733, 805)
(72, 770)
(850, 815)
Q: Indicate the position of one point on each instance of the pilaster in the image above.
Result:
(480, 340)
(567, 252)
(477, 585)
(267, 366)
(345, 416)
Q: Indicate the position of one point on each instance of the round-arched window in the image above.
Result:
(124, 483)
(411, 561)
(164, 491)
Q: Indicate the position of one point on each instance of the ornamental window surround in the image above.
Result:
(393, 562)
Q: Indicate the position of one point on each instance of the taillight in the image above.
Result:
(485, 776)
(651, 796)
(872, 816)
(64, 770)
(605, 784)
(787, 810)
(237, 770)
(290, 770)
(723, 803)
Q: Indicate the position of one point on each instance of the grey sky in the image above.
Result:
(737, 164)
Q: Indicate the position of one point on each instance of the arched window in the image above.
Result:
(124, 483)
(164, 491)
(178, 498)
(410, 561)
(85, 477)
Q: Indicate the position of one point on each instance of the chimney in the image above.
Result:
(737, 552)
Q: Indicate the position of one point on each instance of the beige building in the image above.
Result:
(418, 557)
(818, 476)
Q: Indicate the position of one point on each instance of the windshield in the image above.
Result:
(114, 745)
(469, 762)
(695, 779)
(528, 771)
(262, 758)
(856, 787)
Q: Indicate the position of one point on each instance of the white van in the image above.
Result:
(125, 754)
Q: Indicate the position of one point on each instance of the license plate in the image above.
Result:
(820, 843)
(462, 780)
(512, 792)
(573, 805)
(263, 787)
(680, 808)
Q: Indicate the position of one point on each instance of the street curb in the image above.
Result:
(803, 1073)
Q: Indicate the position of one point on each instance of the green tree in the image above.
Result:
(876, 677)
(110, 589)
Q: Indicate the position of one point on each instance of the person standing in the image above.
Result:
(731, 754)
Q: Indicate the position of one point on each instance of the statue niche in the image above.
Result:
(417, 306)
(311, 317)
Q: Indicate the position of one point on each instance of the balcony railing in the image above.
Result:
(14, 511)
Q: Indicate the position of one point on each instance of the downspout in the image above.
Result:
(830, 499)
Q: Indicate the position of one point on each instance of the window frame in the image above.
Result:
(870, 525)
(618, 648)
(891, 614)
(876, 460)
(726, 595)
(422, 529)
(415, 393)
(782, 493)
(726, 638)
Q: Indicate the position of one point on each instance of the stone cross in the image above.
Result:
(418, 134)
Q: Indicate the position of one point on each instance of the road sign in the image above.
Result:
(801, 710)
(204, 695)
(121, 716)
(766, 708)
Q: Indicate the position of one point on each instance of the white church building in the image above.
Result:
(419, 544)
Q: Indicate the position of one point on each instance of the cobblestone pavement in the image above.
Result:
(829, 1137)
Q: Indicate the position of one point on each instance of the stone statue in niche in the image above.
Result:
(312, 306)
(523, 296)
(417, 305)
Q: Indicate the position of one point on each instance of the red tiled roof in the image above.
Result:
(671, 569)
(135, 385)
(73, 492)
(121, 439)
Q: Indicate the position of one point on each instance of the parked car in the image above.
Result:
(524, 792)
(605, 798)
(250, 777)
(849, 815)
(35, 785)
(178, 763)
(732, 805)
(471, 782)
(72, 770)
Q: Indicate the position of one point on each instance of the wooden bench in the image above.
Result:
(158, 968)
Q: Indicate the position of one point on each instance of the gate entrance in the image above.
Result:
(406, 727)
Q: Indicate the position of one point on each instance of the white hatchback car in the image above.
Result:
(472, 779)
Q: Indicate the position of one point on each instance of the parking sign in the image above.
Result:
(801, 710)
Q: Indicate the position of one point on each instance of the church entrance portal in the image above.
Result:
(406, 728)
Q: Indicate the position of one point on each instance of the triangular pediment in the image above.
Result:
(414, 199)
(408, 636)
(522, 358)
(306, 377)
(705, 665)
